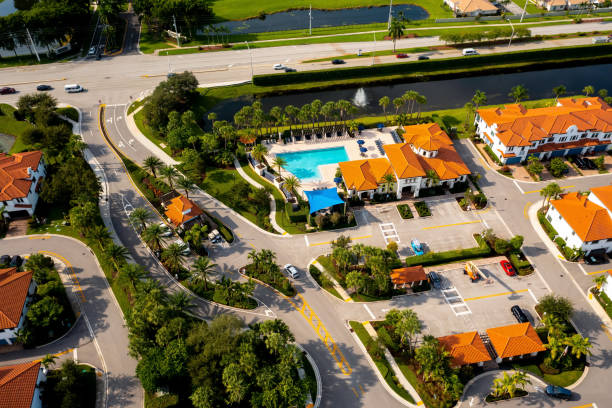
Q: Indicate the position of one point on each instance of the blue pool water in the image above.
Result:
(304, 164)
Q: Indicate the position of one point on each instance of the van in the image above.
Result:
(600, 40)
(469, 51)
(73, 88)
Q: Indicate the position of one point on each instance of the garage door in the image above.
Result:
(601, 148)
(574, 152)
(513, 160)
(557, 153)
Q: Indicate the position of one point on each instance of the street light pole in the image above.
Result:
(524, 9)
(511, 35)
(390, 14)
(374, 52)
(310, 21)
(251, 53)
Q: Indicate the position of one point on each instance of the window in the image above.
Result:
(549, 218)
(573, 233)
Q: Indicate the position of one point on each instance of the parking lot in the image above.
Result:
(460, 305)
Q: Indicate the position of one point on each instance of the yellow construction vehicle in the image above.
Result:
(472, 271)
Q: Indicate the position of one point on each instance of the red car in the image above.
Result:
(507, 267)
(401, 55)
(6, 90)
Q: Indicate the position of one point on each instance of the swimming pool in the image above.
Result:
(304, 164)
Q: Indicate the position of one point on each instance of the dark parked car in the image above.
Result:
(435, 280)
(5, 260)
(589, 163)
(16, 261)
(594, 259)
(558, 392)
(44, 88)
(580, 163)
(287, 69)
(423, 57)
(6, 90)
(518, 313)
(338, 61)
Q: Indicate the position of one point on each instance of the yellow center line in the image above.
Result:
(597, 272)
(43, 237)
(69, 266)
(483, 211)
(61, 353)
(352, 239)
(605, 329)
(537, 191)
(452, 225)
(526, 208)
(584, 406)
(495, 295)
(361, 388)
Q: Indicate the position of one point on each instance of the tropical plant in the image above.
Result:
(396, 30)
(432, 177)
(552, 190)
(173, 258)
(588, 90)
(355, 280)
(186, 185)
(433, 360)
(48, 360)
(556, 345)
(259, 152)
(406, 325)
(133, 273)
(100, 234)
(279, 163)
(580, 345)
(384, 102)
(195, 235)
(153, 236)
(600, 280)
(140, 216)
(388, 179)
(559, 91)
(292, 183)
(117, 254)
(170, 173)
(201, 269)
(152, 164)
(180, 302)
(518, 93)
(479, 99)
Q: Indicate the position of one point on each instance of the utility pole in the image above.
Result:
(178, 36)
(310, 20)
(374, 52)
(33, 46)
(390, 14)
(250, 52)
(168, 55)
(524, 10)
(511, 35)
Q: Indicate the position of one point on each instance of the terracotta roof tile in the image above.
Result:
(181, 209)
(470, 6)
(589, 221)
(407, 275)
(363, 175)
(465, 348)
(17, 384)
(14, 177)
(515, 340)
(14, 288)
(604, 193)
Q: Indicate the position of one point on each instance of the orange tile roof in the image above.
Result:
(14, 175)
(248, 139)
(426, 136)
(363, 175)
(488, 137)
(465, 348)
(405, 162)
(518, 126)
(589, 221)
(17, 384)
(14, 288)
(181, 209)
(515, 340)
(407, 275)
(470, 6)
(604, 193)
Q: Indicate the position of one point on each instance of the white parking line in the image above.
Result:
(306, 239)
(369, 311)
(453, 303)
(389, 232)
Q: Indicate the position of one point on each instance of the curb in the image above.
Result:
(315, 368)
(265, 284)
(76, 321)
(314, 282)
(479, 376)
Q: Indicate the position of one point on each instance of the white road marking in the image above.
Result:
(119, 117)
(75, 355)
(451, 301)
(389, 232)
(306, 239)
(518, 186)
(369, 311)
(532, 295)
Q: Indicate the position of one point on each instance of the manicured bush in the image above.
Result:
(405, 212)
(492, 155)
(296, 216)
(422, 208)
(437, 258)
(550, 231)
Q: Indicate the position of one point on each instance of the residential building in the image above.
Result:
(553, 5)
(20, 385)
(578, 4)
(584, 221)
(471, 8)
(21, 176)
(427, 151)
(515, 341)
(16, 291)
(465, 348)
(183, 212)
(572, 127)
(408, 276)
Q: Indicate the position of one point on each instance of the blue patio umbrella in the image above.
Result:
(337, 180)
(363, 149)
(361, 127)
(380, 126)
(360, 142)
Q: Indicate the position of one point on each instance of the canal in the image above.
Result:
(445, 94)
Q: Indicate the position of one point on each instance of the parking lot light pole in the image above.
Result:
(511, 35)
(251, 53)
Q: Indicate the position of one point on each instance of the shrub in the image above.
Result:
(492, 155)
(558, 167)
(422, 209)
(599, 162)
(556, 305)
(337, 219)
(294, 216)
(501, 246)
(480, 200)
(436, 258)
(405, 212)
(322, 221)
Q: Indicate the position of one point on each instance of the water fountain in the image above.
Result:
(360, 99)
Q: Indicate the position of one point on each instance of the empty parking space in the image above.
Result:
(389, 232)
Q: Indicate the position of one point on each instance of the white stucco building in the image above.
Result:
(607, 285)
(472, 8)
(21, 177)
(16, 291)
(427, 148)
(584, 222)
(572, 127)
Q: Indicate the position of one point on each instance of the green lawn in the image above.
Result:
(148, 132)
(562, 379)
(13, 127)
(323, 281)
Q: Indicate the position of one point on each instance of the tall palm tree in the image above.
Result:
(259, 152)
(549, 192)
(518, 93)
(180, 302)
(396, 30)
(520, 379)
(420, 100)
(398, 103)
(588, 90)
(384, 102)
(433, 177)
(133, 273)
(48, 360)
(555, 345)
(140, 216)
(388, 179)
(100, 234)
(292, 183)
(117, 254)
(479, 98)
(173, 258)
(201, 269)
(580, 345)
(170, 173)
(279, 162)
(600, 280)
(559, 91)
(153, 236)
(152, 164)
(255, 259)
(185, 184)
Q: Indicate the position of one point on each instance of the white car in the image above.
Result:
(184, 245)
(167, 231)
(278, 66)
(92, 51)
(291, 271)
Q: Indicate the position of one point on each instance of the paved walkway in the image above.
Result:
(339, 289)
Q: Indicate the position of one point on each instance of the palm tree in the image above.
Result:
(140, 216)
(292, 183)
(185, 184)
(48, 360)
(588, 90)
(433, 177)
(549, 192)
(173, 258)
(518, 93)
(180, 302)
(553, 324)
(396, 30)
(420, 100)
(212, 116)
(398, 103)
(279, 162)
(117, 254)
(255, 259)
(133, 273)
(410, 97)
(259, 152)
(170, 173)
(580, 345)
(479, 98)
(153, 236)
(388, 179)
(384, 102)
(100, 234)
(520, 379)
(555, 345)
(201, 269)
(600, 280)
(559, 91)
(152, 164)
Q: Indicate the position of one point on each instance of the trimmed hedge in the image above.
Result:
(548, 228)
(405, 212)
(492, 155)
(422, 208)
(424, 70)
(298, 216)
(436, 258)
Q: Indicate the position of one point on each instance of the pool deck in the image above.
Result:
(328, 171)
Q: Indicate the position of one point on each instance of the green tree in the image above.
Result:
(173, 258)
(292, 183)
(201, 269)
(406, 326)
(580, 345)
(342, 258)
(384, 103)
(203, 397)
(388, 179)
(600, 280)
(535, 166)
(140, 216)
(549, 192)
(501, 246)
(152, 164)
(195, 235)
(518, 93)
(170, 173)
(556, 305)
(433, 360)
(117, 254)
(558, 167)
(279, 163)
(479, 99)
(432, 177)
(559, 91)
(100, 234)
(133, 273)
(186, 185)
(396, 30)
(48, 360)
(588, 90)
(355, 280)
(153, 236)
(259, 152)
(177, 93)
